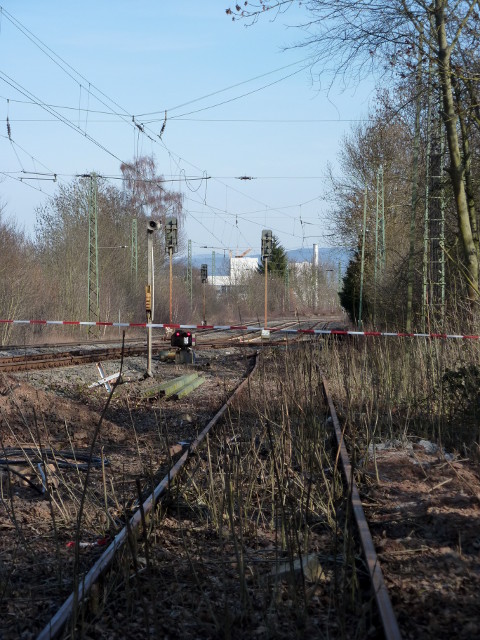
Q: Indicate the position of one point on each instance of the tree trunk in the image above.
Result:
(456, 164)
(416, 152)
(469, 186)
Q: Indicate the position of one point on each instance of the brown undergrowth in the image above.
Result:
(255, 539)
(410, 410)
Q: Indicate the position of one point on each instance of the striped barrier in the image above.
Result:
(227, 327)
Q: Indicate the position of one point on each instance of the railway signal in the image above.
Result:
(152, 226)
(267, 244)
(183, 340)
(171, 235)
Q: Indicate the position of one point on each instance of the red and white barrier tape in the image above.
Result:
(199, 327)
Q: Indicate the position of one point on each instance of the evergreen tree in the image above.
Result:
(350, 293)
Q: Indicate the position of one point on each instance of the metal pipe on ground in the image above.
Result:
(188, 388)
(168, 387)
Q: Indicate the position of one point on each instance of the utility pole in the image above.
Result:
(287, 289)
(433, 291)
(416, 153)
(315, 277)
(171, 233)
(204, 277)
(152, 226)
(134, 250)
(379, 237)
(437, 225)
(362, 262)
(426, 217)
(189, 273)
(93, 292)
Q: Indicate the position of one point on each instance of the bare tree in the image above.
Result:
(147, 193)
(18, 286)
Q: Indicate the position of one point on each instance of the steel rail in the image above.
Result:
(58, 621)
(75, 357)
(276, 329)
(385, 608)
(70, 344)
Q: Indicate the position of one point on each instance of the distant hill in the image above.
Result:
(326, 255)
(329, 255)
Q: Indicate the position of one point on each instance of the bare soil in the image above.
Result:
(424, 514)
(55, 409)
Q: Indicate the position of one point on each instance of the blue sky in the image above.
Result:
(150, 56)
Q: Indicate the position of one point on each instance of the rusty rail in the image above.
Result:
(58, 621)
(385, 609)
(51, 360)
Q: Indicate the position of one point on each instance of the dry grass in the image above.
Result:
(393, 388)
(255, 540)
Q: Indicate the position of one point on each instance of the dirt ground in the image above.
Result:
(55, 409)
(424, 512)
(423, 507)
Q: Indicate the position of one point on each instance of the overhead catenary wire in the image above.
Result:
(140, 127)
(244, 95)
(123, 113)
(217, 120)
(75, 127)
(214, 93)
(62, 64)
(58, 60)
(18, 87)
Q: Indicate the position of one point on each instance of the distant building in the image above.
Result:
(239, 268)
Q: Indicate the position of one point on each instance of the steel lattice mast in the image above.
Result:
(93, 290)
(433, 290)
(189, 273)
(134, 249)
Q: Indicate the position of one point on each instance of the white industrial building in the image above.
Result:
(240, 266)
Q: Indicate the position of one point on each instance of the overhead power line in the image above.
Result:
(92, 90)
(243, 95)
(22, 90)
(213, 120)
(214, 93)
(59, 61)
(271, 121)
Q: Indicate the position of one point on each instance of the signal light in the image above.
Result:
(267, 243)
(181, 339)
(171, 234)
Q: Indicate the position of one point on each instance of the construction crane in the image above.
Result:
(243, 254)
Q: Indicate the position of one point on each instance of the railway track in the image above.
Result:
(47, 359)
(384, 605)
(200, 472)
(36, 357)
(76, 598)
